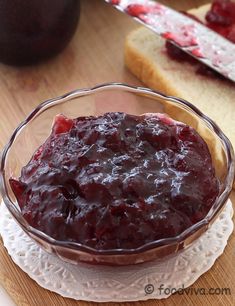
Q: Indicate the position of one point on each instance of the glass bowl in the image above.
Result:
(32, 132)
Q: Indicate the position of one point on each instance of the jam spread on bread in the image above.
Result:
(221, 19)
(117, 180)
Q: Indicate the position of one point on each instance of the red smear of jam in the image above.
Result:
(187, 39)
(117, 180)
(135, 10)
(114, 2)
(139, 10)
(197, 52)
(221, 19)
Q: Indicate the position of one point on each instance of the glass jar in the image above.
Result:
(32, 30)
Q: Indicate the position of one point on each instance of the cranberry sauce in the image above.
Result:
(117, 181)
(221, 19)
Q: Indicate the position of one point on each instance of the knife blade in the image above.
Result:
(189, 35)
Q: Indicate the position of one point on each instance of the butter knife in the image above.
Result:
(189, 35)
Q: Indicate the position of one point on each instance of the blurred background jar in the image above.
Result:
(33, 30)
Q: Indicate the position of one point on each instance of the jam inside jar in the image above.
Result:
(31, 31)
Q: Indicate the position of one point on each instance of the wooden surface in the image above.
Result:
(94, 56)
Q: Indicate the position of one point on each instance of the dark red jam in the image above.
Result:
(221, 19)
(135, 10)
(117, 181)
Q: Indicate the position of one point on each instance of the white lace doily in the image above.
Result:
(128, 283)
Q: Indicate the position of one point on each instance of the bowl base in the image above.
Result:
(151, 280)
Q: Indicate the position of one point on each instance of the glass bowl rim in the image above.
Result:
(216, 207)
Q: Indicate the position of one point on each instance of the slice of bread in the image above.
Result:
(146, 58)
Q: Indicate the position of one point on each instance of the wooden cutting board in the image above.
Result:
(94, 56)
